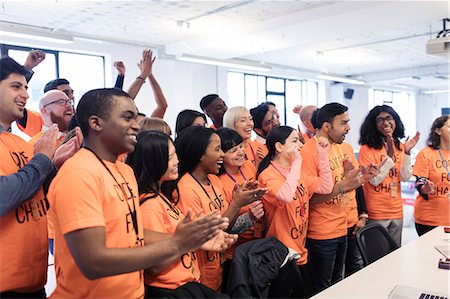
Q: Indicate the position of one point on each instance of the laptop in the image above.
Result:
(406, 292)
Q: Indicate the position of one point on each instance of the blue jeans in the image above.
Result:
(326, 261)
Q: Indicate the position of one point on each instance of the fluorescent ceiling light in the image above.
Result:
(40, 36)
(225, 63)
(436, 91)
(340, 79)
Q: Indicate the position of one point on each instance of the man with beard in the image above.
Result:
(56, 108)
(264, 120)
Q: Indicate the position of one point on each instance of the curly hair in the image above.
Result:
(369, 133)
(434, 139)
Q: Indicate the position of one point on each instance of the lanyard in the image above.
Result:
(172, 207)
(444, 162)
(253, 153)
(132, 212)
(233, 179)
(219, 207)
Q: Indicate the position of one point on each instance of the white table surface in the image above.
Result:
(414, 264)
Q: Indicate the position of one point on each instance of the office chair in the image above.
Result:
(374, 242)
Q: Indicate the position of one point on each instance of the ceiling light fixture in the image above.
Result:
(436, 91)
(340, 79)
(35, 35)
(226, 63)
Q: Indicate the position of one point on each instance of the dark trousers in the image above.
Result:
(423, 229)
(326, 261)
(353, 259)
(38, 295)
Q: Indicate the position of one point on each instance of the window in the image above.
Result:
(250, 90)
(84, 72)
(402, 102)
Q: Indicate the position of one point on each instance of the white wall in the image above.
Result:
(428, 108)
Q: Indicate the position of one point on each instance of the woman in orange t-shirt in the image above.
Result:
(432, 170)
(155, 164)
(380, 140)
(239, 119)
(287, 202)
(201, 157)
(236, 170)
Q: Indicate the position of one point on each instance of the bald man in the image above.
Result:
(56, 108)
(305, 116)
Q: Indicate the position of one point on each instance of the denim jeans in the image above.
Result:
(353, 260)
(326, 261)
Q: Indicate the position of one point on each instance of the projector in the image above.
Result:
(439, 46)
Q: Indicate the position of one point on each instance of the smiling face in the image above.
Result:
(212, 159)
(56, 109)
(216, 110)
(244, 125)
(234, 157)
(13, 97)
(119, 131)
(172, 165)
(385, 124)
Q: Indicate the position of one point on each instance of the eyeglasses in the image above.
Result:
(381, 120)
(60, 102)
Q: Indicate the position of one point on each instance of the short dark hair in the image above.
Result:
(228, 139)
(207, 100)
(191, 145)
(434, 140)
(277, 134)
(55, 83)
(185, 119)
(369, 133)
(328, 112)
(96, 102)
(149, 160)
(9, 66)
(258, 113)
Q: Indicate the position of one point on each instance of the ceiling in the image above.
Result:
(382, 42)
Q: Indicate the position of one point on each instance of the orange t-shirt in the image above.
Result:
(193, 197)
(34, 123)
(159, 215)
(288, 222)
(23, 233)
(248, 173)
(251, 152)
(379, 202)
(84, 195)
(351, 206)
(436, 210)
(327, 220)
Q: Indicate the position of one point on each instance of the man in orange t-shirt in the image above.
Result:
(264, 121)
(214, 107)
(327, 231)
(99, 235)
(23, 221)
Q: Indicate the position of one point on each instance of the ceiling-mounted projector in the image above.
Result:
(439, 46)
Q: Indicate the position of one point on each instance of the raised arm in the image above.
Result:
(161, 103)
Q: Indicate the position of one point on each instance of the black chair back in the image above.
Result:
(374, 242)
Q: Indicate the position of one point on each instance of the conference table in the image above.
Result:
(414, 264)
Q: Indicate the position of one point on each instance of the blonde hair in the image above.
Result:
(155, 124)
(232, 115)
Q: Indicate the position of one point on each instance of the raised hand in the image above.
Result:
(410, 143)
(427, 188)
(120, 67)
(297, 109)
(390, 145)
(34, 58)
(145, 65)
(322, 145)
(192, 234)
(293, 154)
(47, 144)
(260, 153)
(301, 137)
